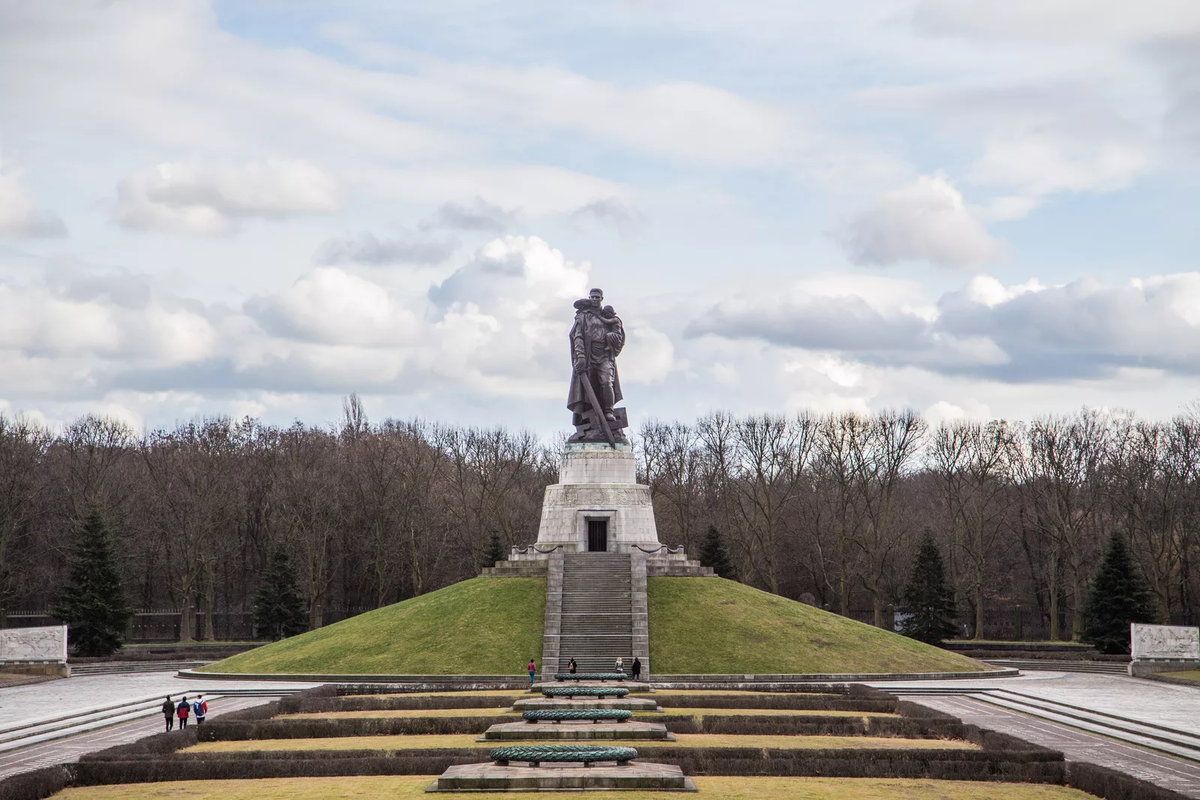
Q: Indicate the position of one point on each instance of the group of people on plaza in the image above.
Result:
(183, 710)
(635, 669)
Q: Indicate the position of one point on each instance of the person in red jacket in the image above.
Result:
(182, 711)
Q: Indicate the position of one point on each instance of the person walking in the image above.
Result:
(168, 710)
(532, 667)
(635, 669)
(200, 709)
(182, 711)
(572, 666)
(620, 667)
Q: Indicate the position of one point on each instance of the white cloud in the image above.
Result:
(1023, 333)
(18, 214)
(648, 357)
(611, 211)
(207, 199)
(1078, 20)
(926, 220)
(366, 248)
(331, 306)
(52, 320)
(943, 412)
(682, 121)
(1038, 160)
(479, 215)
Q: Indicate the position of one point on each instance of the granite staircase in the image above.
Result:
(597, 611)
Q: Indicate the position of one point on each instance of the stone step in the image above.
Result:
(1148, 735)
(487, 777)
(577, 731)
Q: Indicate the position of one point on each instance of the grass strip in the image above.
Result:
(682, 740)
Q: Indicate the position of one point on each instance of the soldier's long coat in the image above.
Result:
(577, 397)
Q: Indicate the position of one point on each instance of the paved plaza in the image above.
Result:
(1176, 708)
(22, 705)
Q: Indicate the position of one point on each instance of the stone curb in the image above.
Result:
(522, 682)
(848, 677)
(1168, 679)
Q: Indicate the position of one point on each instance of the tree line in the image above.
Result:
(828, 509)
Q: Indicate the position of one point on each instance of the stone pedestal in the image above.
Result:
(623, 703)
(633, 777)
(596, 484)
(576, 731)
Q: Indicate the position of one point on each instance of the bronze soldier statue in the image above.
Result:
(596, 340)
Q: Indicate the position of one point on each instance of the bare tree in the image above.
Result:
(975, 463)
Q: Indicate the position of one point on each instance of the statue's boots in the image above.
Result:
(606, 401)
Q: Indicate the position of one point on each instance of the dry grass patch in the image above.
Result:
(682, 740)
(1186, 675)
(412, 788)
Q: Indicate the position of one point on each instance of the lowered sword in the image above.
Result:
(596, 409)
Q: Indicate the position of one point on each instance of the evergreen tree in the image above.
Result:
(279, 609)
(1117, 597)
(93, 603)
(495, 551)
(714, 553)
(928, 599)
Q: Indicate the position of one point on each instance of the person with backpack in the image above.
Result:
(182, 711)
(572, 666)
(200, 709)
(168, 710)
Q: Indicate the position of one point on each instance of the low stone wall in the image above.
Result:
(57, 669)
(1140, 669)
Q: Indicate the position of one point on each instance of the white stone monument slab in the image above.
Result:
(34, 644)
(597, 482)
(1174, 642)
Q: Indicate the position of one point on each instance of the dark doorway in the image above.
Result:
(597, 535)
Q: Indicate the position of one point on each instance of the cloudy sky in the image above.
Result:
(256, 207)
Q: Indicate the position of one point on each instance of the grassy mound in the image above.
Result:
(483, 626)
(714, 626)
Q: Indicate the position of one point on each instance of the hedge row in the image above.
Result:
(323, 705)
(748, 724)
(337, 728)
(36, 785)
(791, 702)
(1113, 785)
(945, 764)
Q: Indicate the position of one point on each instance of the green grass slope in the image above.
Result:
(716, 626)
(483, 626)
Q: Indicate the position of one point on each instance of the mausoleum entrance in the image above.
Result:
(597, 535)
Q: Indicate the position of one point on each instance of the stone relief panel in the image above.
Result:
(1164, 641)
(34, 644)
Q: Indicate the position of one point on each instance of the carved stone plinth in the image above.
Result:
(47, 643)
